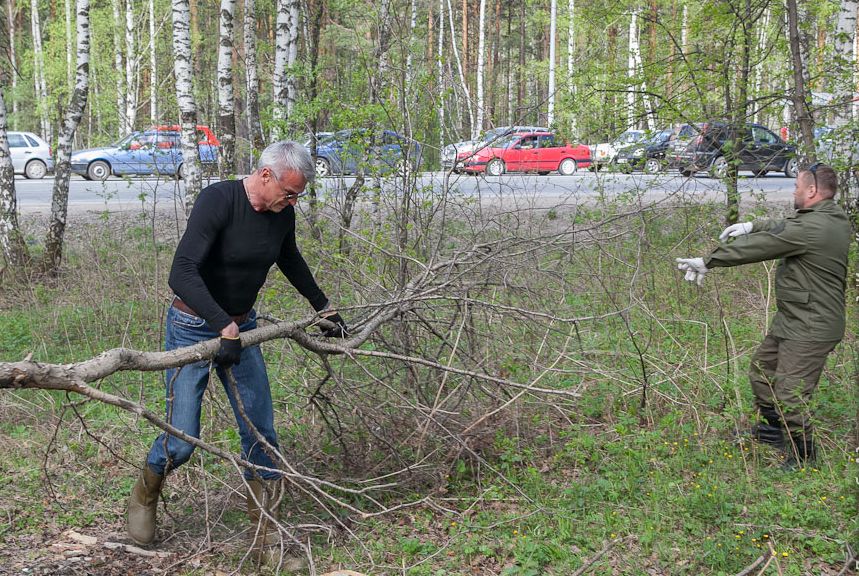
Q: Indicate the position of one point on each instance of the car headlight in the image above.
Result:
(638, 153)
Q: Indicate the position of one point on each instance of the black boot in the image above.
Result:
(770, 433)
(800, 452)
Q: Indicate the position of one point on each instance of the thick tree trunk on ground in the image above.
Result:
(74, 113)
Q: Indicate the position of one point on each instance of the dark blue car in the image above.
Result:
(382, 152)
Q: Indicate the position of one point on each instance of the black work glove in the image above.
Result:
(230, 352)
(339, 331)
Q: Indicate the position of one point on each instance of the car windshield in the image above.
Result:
(506, 141)
(137, 140)
(493, 137)
(629, 137)
(660, 137)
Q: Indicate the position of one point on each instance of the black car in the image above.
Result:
(761, 151)
(650, 154)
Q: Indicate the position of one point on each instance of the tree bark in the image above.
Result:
(41, 88)
(278, 79)
(477, 128)
(13, 61)
(183, 70)
(67, 12)
(553, 31)
(459, 65)
(131, 68)
(74, 113)
(799, 95)
(630, 69)
(12, 245)
(226, 95)
(123, 127)
(255, 133)
(291, 57)
(153, 67)
(441, 75)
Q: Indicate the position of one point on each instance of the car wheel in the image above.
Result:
(791, 168)
(323, 168)
(543, 173)
(35, 170)
(652, 166)
(686, 173)
(98, 170)
(567, 167)
(719, 168)
(495, 167)
(761, 173)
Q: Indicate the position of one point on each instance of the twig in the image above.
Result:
(848, 565)
(588, 563)
(766, 557)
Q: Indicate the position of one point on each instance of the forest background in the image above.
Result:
(531, 390)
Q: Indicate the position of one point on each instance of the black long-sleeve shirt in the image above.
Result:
(227, 250)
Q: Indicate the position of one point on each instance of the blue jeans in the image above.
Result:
(185, 387)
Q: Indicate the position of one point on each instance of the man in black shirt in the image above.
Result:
(236, 231)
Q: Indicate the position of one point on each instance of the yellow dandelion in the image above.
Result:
(784, 554)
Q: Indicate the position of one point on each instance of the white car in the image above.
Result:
(605, 153)
(31, 156)
(452, 155)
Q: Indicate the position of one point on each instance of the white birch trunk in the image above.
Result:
(441, 74)
(571, 48)
(459, 64)
(226, 95)
(630, 70)
(553, 32)
(183, 70)
(130, 67)
(153, 67)
(412, 25)
(477, 128)
(71, 120)
(844, 56)
(14, 61)
(67, 5)
(12, 246)
(684, 29)
(120, 77)
(41, 88)
(291, 57)
(759, 67)
(278, 80)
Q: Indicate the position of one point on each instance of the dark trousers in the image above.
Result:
(784, 374)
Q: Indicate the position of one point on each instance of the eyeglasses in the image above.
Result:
(813, 169)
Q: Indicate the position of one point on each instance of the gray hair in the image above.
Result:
(285, 156)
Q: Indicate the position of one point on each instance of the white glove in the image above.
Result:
(694, 268)
(735, 230)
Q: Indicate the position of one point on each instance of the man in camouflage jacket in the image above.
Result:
(810, 282)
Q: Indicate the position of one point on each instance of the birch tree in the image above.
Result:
(131, 81)
(477, 128)
(123, 126)
(67, 11)
(553, 30)
(40, 84)
(630, 69)
(441, 75)
(278, 79)
(291, 57)
(183, 70)
(255, 134)
(571, 47)
(459, 64)
(153, 66)
(13, 61)
(71, 120)
(12, 244)
(799, 97)
(844, 66)
(226, 95)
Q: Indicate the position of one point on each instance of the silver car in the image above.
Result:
(31, 156)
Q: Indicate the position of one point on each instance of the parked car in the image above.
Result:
(528, 152)
(204, 133)
(346, 150)
(453, 155)
(761, 151)
(320, 137)
(605, 153)
(147, 152)
(31, 156)
(650, 154)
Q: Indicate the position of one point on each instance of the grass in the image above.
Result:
(643, 463)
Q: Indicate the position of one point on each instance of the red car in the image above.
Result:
(528, 152)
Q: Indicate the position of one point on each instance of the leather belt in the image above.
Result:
(182, 307)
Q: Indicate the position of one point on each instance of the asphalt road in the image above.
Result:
(128, 194)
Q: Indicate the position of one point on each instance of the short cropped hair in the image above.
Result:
(285, 156)
(826, 178)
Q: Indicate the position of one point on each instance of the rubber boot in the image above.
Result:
(142, 506)
(770, 433)
(801, 451)
(266, 542)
